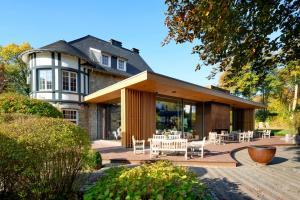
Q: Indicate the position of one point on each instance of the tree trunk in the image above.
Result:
(295, 100)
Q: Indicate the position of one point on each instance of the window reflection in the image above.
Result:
(175, 115)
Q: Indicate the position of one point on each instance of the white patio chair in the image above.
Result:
(266, 133)
(198, 145)
(267, 125)
(173, 137)
(115, 135)
(138, 145)
(119, 132)
(159, 137)
(213, 138)
(232, 135)
(242, 137)
(261, 125)
(250, 136)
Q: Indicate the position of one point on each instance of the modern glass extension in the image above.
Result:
(175, 115)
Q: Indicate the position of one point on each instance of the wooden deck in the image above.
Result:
(277, 180)
(214, 156)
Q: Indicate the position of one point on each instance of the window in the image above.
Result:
(105, 60)
(122, 65)
(45, 79)
(70, 115)
(69, 81)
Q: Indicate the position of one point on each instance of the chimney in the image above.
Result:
(135, 50)
(115, 42)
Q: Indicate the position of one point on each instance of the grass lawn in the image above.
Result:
(282, 132)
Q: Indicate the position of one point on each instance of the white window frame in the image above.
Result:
(69, 119)
(125, 68)
(109, 60)
(69, 81)
(45, 82)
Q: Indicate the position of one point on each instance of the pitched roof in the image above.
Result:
(64, 47)
(81, 48)
(135, 63)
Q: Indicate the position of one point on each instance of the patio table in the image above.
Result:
(223, 138)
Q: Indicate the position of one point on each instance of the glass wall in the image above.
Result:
(109, 121)
(168, 114)
(177, 115)
(189, 117)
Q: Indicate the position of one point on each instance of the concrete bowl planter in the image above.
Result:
(262, 154)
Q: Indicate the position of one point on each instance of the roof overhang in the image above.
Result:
(167, 86)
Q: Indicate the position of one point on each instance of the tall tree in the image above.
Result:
(15, 70)
(231, 34)
(2, 78)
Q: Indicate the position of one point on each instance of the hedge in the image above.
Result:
(17, 103)
(40, 157)
(160, 180)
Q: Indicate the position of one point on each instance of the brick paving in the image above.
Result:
(215, 155)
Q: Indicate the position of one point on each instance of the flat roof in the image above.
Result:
(167, 86)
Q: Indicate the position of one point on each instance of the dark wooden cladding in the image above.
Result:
(243, 119)
(199, 120)
(138, 115)
(216, 117)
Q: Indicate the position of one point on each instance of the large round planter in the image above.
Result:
(262, 154)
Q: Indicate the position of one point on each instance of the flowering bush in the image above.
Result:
(160, 180)
(17, 103)
(40, 158)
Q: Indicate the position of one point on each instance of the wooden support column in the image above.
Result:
(138, 115)
(199, 120)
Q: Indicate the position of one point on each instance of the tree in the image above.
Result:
(232, 34)
(2, 78)
(242, 83)
(14, 69)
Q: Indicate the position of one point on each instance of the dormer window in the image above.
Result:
(105, 60)
(121, 64)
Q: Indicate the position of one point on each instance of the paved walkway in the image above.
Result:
(280, 180)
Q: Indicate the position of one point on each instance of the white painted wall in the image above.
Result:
(69, 61)
(33, 78)
(82, 82)
(56, 79)
(70, 97)
(42, 96)
(56, 59)
(43, 58)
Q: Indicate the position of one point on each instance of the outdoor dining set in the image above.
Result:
(174, 143)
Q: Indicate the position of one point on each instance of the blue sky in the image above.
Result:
(137, 23)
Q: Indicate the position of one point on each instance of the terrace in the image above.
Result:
(214, 155)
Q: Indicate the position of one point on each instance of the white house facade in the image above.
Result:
(63, 73)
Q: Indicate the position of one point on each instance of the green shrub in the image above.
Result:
(160, 180)
(17, 103)
(98, 160)
(40, 158)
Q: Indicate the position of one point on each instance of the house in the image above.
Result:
(102, 86)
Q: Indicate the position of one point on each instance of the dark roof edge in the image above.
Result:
(215, 91)
(82, 38)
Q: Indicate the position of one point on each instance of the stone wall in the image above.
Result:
(99, 81)
(83, 118)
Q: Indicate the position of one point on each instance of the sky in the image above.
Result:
(136, 23)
